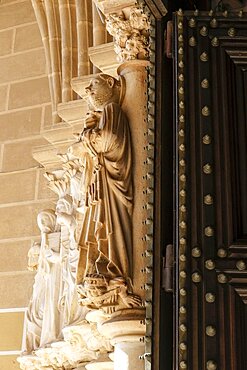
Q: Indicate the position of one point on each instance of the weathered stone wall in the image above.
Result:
(24, 110)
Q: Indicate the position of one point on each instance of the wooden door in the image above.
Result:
(210, 63)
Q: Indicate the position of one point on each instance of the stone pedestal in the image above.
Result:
(127, 354)
(125, 331)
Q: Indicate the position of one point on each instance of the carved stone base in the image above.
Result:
(82, 343)
(127, 355)
(125, 329)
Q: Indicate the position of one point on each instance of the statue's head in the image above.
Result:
(64, 210)
(47, 221)
(64, 205)
(102, 90)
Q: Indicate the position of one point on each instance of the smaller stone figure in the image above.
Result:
(33, 257)
(66, 216)
(43, 318)
(66, 183)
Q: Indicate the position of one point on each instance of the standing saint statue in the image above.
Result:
(44, 315)
(106, 234)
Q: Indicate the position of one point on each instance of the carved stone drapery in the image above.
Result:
(44, 317)
(53, 304)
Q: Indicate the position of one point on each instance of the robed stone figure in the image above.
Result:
(105, 146)
(44, 316)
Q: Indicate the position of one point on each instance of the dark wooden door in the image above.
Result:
(211, 190)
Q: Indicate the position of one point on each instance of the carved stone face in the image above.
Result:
(100, 92)
(46, 221)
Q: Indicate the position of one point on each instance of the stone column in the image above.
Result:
(134, 104)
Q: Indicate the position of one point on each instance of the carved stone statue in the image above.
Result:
(65, 212)
(33, 257)
(106, 235)
(43, 318)
(86, 243)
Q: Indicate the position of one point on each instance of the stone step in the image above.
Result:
(100, 366)
(46, 155)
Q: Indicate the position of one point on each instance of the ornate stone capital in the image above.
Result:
(130, 30)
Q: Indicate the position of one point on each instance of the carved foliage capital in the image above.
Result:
(131, 33)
